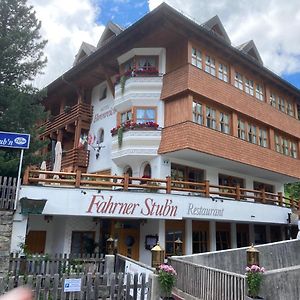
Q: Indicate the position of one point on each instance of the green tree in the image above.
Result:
(21, 59)
(293, 190)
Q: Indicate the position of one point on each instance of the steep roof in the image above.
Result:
(215, 25)
(85, 50)
(111, 30)
(250, 49)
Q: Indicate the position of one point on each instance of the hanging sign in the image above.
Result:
(14, 140)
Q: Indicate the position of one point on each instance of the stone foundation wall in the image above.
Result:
(6, 222)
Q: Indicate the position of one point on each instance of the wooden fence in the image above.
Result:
(8, 187)
(92, 286)
(167, 185)
(55, 264)
(208, 283)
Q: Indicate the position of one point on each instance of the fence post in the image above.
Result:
(238, 192)
(206, 182)
(109, 264)
(291, 201)
(263, 195)
(168, 185)
(78, 178)
(26, 176)
(155, 291)
(126, 181)
(280, 199)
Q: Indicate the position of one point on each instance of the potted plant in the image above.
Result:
(254, 278)
(166, 279)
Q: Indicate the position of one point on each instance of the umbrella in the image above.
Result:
(58, 157)
(43, 168)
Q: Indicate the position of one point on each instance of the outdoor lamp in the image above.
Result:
(110, 246)
(252, 256)
(158, 256)
(178, 247)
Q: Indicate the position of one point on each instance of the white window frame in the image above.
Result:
(198, 112)
(210, 65)
(224, 123)
(290, 109)
(259, 94)
(238, 81)
(241, 130)
(293, 150)
(249, 86)
(223, 72)
(196, 58)
(262, 139)
(252, 135)
(273, 100)
(211, 118)
(281, 104)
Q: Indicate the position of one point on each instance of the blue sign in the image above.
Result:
(14, 140)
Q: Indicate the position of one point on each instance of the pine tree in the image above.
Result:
(21, 59)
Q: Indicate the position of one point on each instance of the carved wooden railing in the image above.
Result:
(167, 185)
(82, 110)
(75, 157)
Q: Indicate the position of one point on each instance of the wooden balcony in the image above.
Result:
(75, 158)
(81, 111)
(166, 185)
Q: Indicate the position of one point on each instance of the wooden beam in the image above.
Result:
(110, 84)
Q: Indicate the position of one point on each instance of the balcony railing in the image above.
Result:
(167, 185)
(82, 110)
(75, 157)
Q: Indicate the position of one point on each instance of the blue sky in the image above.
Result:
(126, 12)
(66, 24)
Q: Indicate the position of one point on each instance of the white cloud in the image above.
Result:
(272, 24)
(65, 24)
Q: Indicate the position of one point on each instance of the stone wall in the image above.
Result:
(6, 221)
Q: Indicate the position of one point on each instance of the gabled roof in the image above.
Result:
(215, 25)
(250, 49)
(111, 29)
(84, 51)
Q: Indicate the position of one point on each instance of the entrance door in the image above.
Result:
(128, 235)
(35, 242)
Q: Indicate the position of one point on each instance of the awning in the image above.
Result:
(32, 206)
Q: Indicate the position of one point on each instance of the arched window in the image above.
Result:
(128, 171)
(100, 136)
(147, 171)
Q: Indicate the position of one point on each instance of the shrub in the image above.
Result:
(254, 277)
(166, 278)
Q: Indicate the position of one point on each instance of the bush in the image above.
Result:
(254, 278)
(167, 279)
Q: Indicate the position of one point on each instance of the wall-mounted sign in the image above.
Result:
(14, 140)
(72, 285)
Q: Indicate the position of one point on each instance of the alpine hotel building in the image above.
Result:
(168, 131)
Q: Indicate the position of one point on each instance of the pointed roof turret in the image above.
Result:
(215, 25)
(111, 29)
(250, 49)
(85, 50)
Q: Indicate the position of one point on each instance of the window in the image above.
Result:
(210, 117)
(242, 235)
(223, 72)
(224, 122)
(100, 136)
(238, 81)
(222, 236)
(258, 186)
(290, 109)
(174, 230)
(263, 140)
(285, 146)
(249, 87)
(83, 242)
(281, 104)
(146, 63)
(241, 130)
(230, 180)
(293, 150)
(197, 113)
(210, 66)
(273, 100)
(200, 236)
(196, 58)
(252, 133)
(144, 115)
(277, 144)
(147, 171)
(259, 92)
(126, 116)
(129, 65)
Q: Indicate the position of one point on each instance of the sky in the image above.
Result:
(274, 25)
